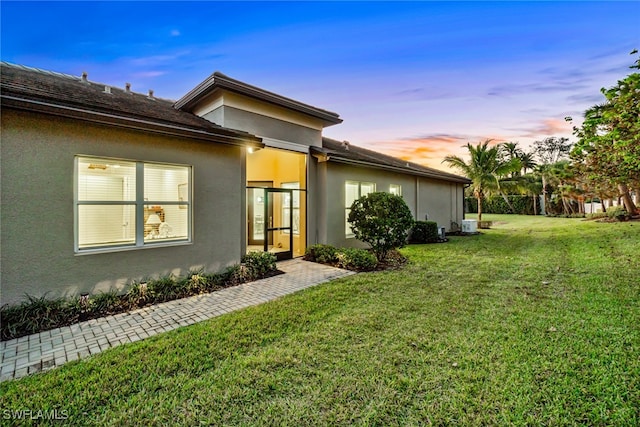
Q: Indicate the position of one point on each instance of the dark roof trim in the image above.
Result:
(128, 122)
(324, 155)
(218, 80)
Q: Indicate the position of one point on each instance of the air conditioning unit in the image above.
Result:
(469, 226)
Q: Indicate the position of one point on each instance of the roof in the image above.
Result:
(60, 94)
(218, 80)
(345, 152)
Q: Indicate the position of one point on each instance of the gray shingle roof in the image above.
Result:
(345, 152)
(51, 92)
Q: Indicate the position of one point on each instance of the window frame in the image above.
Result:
(139, 205)
(351, 235)
(398, 187)
(295, 194)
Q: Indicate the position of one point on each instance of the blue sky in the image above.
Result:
(412, 79)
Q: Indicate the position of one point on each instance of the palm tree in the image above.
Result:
(485, 168)
(510, 151)
(528, 161)
(531, 185)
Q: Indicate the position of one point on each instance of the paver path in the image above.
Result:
(46, 350)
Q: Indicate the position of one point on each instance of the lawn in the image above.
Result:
(533, 322)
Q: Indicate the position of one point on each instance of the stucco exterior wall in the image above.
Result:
(37, 210)
(257, 124)
(440, 200)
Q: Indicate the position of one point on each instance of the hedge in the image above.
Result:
(522, 205)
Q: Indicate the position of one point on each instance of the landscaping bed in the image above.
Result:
(38, 314)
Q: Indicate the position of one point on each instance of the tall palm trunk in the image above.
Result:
(544, 194)
(626, 199)
(506, 200)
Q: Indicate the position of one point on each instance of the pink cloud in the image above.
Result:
(549, 127)
(430, 150)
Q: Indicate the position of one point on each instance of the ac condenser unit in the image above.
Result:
(469, 226)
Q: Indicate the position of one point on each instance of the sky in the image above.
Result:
(417, 80)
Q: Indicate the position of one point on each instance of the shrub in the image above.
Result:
(35, 315)
(137, 295)
(325, 254)
(38, 314)
(356, 259)
(215, 281)
(382, 220)
(522, 205)
(104, 303)
(163, 289)
(233, 275)
(424, 232)
(617, 212)
(259, 264)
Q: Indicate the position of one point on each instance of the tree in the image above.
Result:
(608, 147)
(528, 162)
(549, 151)
(382, 220)
(531, 185)
(510, 151)
(485, 169)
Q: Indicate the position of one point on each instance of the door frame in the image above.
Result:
(268, 216)
(254, 185)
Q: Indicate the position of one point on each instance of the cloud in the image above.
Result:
(149, 74)
(545, 128)
(424, 93)
(517, 89)
(430, 149)
(175, 33)
(581, 99)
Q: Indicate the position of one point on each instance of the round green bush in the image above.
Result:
(382, 220)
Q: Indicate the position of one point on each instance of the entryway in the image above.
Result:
(276, 202)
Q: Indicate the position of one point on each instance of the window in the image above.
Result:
(295, 186)
(395, 189)
(122, 203)
(353, 190)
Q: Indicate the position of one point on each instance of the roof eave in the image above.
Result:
(224, 137)
(336, 158)
(219, 81)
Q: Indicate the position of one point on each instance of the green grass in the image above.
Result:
(534, 322)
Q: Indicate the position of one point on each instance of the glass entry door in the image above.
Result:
(270, 220)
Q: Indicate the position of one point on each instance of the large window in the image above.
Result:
(122, 203)
(353, 190)
(295, 186)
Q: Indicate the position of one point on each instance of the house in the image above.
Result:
(101, 186)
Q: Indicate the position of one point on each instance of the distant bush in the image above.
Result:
(522, 205)
(618, 212)
(424, 232)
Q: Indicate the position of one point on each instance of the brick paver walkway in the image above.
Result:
(46, 350)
